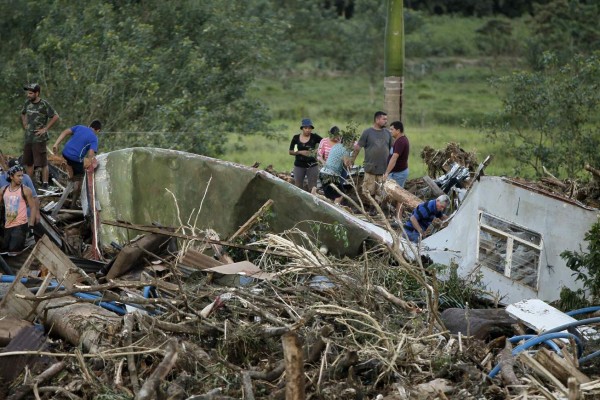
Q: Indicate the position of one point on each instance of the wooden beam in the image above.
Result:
(559, 367)
(294, 367)
(62, 199)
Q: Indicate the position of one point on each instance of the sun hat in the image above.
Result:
(306, 122)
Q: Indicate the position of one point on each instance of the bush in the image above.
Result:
(586, 265)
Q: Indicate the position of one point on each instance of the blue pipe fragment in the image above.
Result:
(104, 304)
(10, 279)
(537, 340)
(585, 310)
(549, 343)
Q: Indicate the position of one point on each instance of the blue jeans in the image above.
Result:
(399, 177)
(412, 234)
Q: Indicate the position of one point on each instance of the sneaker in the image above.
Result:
(45, 185)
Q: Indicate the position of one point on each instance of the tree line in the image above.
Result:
(177, 74)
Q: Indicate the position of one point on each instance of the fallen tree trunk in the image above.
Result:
(593, 171)
(82, 324)
(401, 195)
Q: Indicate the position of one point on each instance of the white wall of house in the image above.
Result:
(552, 225)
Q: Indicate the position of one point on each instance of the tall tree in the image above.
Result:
(171, 75)
(550, 117)
(394, 59)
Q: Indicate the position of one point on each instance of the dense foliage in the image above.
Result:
(178, 75)
(565, 27)
(586, 265)
(158, 73)
(550, 117)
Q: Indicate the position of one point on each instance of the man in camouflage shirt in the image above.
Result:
(37, 117)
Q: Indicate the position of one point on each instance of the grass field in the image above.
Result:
(445, 101)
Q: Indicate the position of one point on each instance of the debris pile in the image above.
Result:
(177, 312)
(439, 161)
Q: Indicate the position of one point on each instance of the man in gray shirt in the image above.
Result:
(377, 142)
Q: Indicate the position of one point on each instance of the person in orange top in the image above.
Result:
(16, 198)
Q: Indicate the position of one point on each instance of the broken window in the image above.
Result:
(510, 250)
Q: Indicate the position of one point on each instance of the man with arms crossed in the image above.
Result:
(37, 117)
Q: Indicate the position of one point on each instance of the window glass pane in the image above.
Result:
(524, 264)
(492, 250)
(511, 229)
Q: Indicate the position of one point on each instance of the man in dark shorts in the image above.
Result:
(80, 150)
(37, 117)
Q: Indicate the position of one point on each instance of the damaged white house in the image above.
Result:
(513, 236)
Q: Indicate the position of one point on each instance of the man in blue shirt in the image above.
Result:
(81, 148)
(424, 215)
(79, 151)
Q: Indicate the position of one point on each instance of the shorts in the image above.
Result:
(77, 166)
(370, 183)
(328, 181)
(35, 154)
(14, 238)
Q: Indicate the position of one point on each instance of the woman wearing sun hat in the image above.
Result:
(303, 147)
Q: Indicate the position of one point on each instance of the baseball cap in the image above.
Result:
(34, 87)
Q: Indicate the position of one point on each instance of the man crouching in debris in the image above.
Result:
(16, 199)
(79, 151)
(423, 216)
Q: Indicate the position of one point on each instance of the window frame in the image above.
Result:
(510, 240)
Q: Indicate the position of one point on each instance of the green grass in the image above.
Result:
(274, 151)
(445, 101)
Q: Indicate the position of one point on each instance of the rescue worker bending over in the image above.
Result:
(424, 215)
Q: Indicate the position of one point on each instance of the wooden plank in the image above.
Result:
(62, 199)
(57, 263)
(294, 367)
(9, 327)
(435, 189)
(200, 261)
(541, 371)
(16, 306)
(559, 367)
(59, 266)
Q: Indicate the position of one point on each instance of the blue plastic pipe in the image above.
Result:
(107, 305)
(10, 279)
(549, 343)
(585, 310)
(537, 340)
